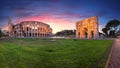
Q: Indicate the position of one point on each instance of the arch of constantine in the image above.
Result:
(29, 29)
(87, 28)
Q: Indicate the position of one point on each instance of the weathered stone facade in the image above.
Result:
(87, 28)
(29, 29)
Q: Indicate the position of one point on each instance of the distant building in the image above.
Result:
(29, 29)
(87, 28)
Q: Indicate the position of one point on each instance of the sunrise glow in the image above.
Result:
(59, 14)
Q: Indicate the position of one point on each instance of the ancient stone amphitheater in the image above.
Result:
(29, 29)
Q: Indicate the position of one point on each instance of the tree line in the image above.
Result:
(66, 32)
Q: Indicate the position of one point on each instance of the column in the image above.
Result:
(31, 33)
(37, 33)
(96, 35)
(82, 34)
(34, 33)
(89, 34)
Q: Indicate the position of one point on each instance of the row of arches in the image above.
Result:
(31, 35)
(31, 29)
(86, 34)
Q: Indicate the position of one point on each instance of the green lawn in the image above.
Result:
(46, 53)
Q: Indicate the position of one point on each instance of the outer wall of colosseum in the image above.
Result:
(29, 29)
(87, 28)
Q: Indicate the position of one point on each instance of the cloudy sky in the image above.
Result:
(59, 14)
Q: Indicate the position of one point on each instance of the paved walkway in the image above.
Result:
(115, 55)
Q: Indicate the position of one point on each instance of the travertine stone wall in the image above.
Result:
(30, 29)
(87, 28)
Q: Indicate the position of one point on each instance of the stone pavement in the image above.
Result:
(114, 61)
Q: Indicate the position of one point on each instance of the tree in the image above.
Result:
(112, 33)
(118, 33)
(1, 33)
(111, 28)
(112, 24)
(105, 30)
(66, 32)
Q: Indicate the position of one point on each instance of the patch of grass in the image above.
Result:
(44, 53)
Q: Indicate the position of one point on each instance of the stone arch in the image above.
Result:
(88, 28)
(27, 28)
(30, 34)
(85, 33)
(79, 34)
(41, 34)
(92, 34)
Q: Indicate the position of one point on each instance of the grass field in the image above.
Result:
(46, 53)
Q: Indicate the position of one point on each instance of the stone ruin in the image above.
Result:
(87, 28)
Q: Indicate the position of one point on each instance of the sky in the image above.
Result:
(59, 14)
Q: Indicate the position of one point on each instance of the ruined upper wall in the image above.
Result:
(90, 20)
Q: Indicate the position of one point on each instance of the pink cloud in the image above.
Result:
(4, 27)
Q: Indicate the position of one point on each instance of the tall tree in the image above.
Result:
(111, 28)
(112, 24)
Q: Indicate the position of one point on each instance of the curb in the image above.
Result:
(109, 57)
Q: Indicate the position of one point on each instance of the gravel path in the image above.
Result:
(114, 61)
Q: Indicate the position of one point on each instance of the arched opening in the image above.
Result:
(86, 33)
(25, 34)
(30, 34)
(92, 34)
(40, 35)
(79, 34)
(27, 28)
(15, 32)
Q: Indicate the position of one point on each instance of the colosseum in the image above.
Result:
(29, 29)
